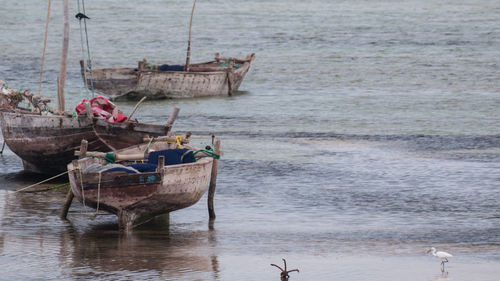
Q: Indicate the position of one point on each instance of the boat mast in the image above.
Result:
(188, 56)
(61, 80)
(44, 46)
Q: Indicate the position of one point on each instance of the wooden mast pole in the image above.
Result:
(44, 46)
(64, 57)
(188, 56)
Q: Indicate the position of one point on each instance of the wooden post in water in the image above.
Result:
(213, 180)
(172, 117)
(188, 55)
(67, 204)
(70, 195)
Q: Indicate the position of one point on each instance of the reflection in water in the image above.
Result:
(83, 250)
(369, 130)
(150, 251)
(444, 276)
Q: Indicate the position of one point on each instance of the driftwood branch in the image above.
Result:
(284, 272)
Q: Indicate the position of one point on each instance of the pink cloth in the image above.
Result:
(102, 109)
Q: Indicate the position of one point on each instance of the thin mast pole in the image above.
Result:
(188, 56)
(44, 46)
(64, 57)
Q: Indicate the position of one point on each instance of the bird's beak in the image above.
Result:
(428, 251)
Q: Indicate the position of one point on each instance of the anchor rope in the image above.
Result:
(98, 194)
(46, 180)
(83, 193)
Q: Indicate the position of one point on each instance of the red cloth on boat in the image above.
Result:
(102, 108)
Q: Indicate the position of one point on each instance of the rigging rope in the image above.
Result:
(98, 196)
(81, 186)
(81, 16)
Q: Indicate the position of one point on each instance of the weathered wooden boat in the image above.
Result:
(45, 138)
(46, 143)
(214, 78)
(137, 196)
(219, 77)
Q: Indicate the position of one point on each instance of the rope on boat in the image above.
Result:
(149, 144)
(226, 63)
(110, 158)
(178, 141)
(56, 176)
(83, 195)
(207, 152)
(98, 196)
(55, 187)
(83, 192)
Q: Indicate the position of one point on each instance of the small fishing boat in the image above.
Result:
(45, 139)
(219, 77)
(169, 179)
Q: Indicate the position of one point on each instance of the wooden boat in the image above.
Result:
(45, 139)
(46, 143)
(219, 77)
(137, 197)
(215, 78)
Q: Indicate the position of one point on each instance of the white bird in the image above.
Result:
(440, 255)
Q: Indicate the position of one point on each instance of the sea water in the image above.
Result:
(364, 133)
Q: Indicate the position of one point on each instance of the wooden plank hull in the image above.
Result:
(129, 83)
(46, 144)
(136, 198)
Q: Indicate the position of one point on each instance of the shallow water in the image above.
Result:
(365, 132)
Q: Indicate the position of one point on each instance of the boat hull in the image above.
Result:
(130, 84)
(136, 198)
(46, 144)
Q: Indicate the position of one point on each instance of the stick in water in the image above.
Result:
(172, 117)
